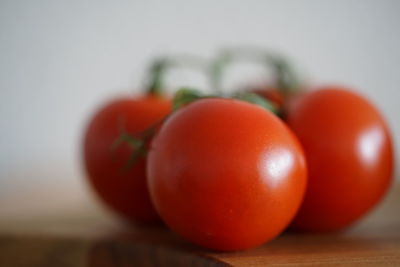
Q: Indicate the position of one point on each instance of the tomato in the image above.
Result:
(349, 155)
(122, 189)
(226, 174)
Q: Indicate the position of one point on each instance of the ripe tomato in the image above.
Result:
(349, 155)
(124, 190)
(226, 174)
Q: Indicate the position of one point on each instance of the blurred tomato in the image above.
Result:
(124, 190)
(349, 155)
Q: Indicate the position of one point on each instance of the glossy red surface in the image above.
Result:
(349, 154)
(226, 174)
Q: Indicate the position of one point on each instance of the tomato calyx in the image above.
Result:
(185, 96)
(257, 100)
(138, 143)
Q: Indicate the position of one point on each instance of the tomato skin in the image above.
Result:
(226, 174)
(124, 190)
(349, 155)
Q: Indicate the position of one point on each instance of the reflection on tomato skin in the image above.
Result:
(276, 164)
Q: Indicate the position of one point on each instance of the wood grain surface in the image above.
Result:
(86, 240)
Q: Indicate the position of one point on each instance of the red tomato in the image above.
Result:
(226, 174)
(124, 190)
(349, 155)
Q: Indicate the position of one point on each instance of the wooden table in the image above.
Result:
(90, 240)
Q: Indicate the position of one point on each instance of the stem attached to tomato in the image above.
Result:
(160, 66)
(138, 143)
(185, 95)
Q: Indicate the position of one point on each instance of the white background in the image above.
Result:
(59, 59)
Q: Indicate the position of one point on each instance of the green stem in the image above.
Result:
(157, 71)
(137, 142)
(216, 72)
(286, 79)
(156, 74)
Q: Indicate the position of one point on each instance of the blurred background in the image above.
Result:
(60, 59)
